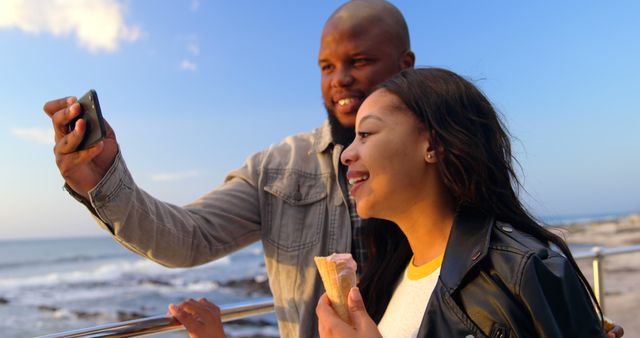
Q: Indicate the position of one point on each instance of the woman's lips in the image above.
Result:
(356, 180)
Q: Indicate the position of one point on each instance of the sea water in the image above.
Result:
(49, 286)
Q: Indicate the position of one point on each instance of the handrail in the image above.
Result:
(597, 254)
(601, 251)
(258, 306)
(159, 324)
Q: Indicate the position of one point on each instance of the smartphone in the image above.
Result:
(91, 113)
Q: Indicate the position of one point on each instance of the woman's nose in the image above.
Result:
(348, 155)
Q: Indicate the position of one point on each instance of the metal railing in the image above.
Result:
(162, 324)
(597, 254)
(229, 312)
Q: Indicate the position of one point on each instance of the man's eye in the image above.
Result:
(361, 62)
(325, 68)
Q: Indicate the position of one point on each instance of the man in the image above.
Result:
(292, 196)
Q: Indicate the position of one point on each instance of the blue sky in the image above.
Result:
(194, 87)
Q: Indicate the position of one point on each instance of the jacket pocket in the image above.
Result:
(295, 209)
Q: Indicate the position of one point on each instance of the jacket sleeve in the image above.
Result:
(220, 222)
(556, 299)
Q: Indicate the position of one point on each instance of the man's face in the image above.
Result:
(353, 60)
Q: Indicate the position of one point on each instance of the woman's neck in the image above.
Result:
(427, 226)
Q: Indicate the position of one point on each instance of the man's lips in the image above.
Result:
(347, 104)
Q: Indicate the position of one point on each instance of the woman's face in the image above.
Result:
(387, 160)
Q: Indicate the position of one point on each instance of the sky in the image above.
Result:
(192, 88)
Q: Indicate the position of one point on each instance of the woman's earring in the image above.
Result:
(429, 156)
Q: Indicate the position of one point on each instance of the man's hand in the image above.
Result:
(82, 170)
(331, 326)
(201, 318)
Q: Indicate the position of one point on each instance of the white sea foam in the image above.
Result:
(110, 271)
(204, 286)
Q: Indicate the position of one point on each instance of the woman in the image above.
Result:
(465, 259)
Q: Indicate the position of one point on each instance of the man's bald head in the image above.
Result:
(372, 14)
(363, 43)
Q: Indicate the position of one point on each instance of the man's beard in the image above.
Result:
(339, 133)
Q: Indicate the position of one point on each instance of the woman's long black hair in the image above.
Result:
(476, 167)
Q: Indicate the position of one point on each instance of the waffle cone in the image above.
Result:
(338, 278)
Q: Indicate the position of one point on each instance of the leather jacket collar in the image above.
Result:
(468, 244)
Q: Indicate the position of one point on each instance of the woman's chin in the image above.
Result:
(364, 211)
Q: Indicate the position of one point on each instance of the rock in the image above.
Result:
(48, 308)
(86, 314)
(252, 286)
(125, 316)
(3, 301)
(155, 282)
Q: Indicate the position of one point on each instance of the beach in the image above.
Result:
(621, 272)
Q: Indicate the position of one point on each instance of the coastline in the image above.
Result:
(621, 273)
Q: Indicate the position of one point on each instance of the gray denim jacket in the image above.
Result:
(287, 196)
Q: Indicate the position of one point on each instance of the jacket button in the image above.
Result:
(469, 336)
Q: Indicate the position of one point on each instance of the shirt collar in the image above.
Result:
(322, 137)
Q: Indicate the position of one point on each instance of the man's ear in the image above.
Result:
(407, 60)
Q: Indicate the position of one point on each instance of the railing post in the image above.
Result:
(598, 277)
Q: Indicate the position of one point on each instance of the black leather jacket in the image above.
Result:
(496, 281)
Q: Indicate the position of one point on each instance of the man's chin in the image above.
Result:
(347, 120)
(342, 130)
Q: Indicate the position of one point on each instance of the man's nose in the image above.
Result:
(342, 77)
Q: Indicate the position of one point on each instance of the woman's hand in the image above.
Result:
(616, 332)
(201, 318)
(331, 326)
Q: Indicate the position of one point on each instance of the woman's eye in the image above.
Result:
(363, 134)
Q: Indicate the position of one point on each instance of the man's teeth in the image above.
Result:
(344, 102)
(358, 179)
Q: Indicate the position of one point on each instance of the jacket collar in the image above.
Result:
(468, 244)
(322, 137)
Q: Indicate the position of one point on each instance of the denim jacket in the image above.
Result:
(288, 196)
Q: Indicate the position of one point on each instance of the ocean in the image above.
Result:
(55, 285)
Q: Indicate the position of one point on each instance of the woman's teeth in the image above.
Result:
(358, 179)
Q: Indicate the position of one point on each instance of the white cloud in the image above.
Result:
(195, 5)
(35, 135)
(96, 24)
(193, 47)
(188, 65)
(176, 176)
